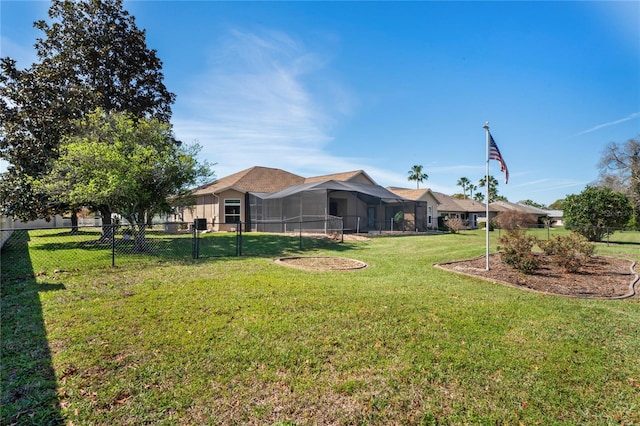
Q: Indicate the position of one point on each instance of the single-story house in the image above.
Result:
(471, 212)
(266, 199)
(223, 202)
(556, 217)
(503, 206)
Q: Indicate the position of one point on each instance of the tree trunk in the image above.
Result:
(74, 221)
(108, 230)
(140, 238)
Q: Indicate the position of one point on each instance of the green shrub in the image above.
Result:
(516, 249)
(596, 212)
(570, 251)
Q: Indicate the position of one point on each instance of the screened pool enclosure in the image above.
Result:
(325, 207)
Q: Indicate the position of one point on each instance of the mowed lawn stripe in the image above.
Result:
(247, 341)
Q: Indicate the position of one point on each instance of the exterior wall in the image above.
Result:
(230, 194)
(212, 208)
(207, 207)
(433, 204)
(427, 206)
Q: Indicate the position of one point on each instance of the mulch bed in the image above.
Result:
(318, 263)
(601, 278)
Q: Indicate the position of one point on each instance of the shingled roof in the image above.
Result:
(503, 206)
(412, 194)
(340, 177)
(450, 204)
(254, 179)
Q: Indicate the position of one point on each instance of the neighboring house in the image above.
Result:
(422, 213)
(470, 211)
(556, 217)
(503, 206)
(266, 199)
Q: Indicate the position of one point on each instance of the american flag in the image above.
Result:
(494, 154)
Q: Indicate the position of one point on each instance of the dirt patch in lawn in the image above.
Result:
(319, 263)
(601, 278)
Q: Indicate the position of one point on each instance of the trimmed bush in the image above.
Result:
(570, 251)
(516, 249)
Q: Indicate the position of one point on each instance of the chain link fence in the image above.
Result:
(47, 250)
(610, 235)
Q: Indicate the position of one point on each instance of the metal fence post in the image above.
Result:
(113, 246)
(548, 230)
(239, 239)
(194, 243)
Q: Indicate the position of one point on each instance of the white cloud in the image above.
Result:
(254, 107)
(610, 123)
(560, 184)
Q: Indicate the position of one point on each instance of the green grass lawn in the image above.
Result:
(245, 341)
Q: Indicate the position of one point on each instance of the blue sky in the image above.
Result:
(325, 87)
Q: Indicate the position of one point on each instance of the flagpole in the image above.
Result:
(486, 127)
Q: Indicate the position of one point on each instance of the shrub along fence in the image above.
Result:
(612, 235)
(117, 245)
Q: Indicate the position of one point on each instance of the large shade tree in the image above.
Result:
(92, 55)
(596, 212)
(620, 171)
(131, 165)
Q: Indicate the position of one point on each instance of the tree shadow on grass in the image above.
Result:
(273, 245)
(66, 252)
(29, 388)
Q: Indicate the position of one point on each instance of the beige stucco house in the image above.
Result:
(267, 199)
(224, 202)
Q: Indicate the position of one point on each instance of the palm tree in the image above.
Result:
(472, 188)
(464, 183)
(479, 196)
(416, 174)
(493, 188)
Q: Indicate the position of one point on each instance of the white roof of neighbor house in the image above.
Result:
(554, 213)
(506, 205)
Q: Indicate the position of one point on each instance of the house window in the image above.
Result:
(231, 211)
(429, 215)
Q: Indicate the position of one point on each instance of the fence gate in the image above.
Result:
(216, 244)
